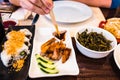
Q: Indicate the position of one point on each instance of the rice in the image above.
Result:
(5, 58)
(26, 32)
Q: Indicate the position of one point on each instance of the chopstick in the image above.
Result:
(35, 19)
(54, 22)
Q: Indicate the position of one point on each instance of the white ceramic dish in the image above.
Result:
(68, 68)
(117, 55)
(91, 53)
(71, 11)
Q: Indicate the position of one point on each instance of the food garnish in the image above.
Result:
(94, 41)
(102, 24)
(46, 65)
(44, 59)
(17, 65)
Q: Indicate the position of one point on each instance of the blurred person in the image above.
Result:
(2, 1)
(101, 3)
(44, 6)
(38, 6)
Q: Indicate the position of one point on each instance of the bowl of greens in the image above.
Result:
(95, 42)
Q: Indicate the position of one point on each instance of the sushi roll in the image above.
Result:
(27, 33)
(19, 36)
(15, 35)
(13, 53)
(6, 59)
(21, 32)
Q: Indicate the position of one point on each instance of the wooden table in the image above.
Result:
(92, 69)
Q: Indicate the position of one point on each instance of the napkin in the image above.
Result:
(21, 14)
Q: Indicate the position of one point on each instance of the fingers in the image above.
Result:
(48, 3)
(45, 5)
(38, 6)
(30, 6)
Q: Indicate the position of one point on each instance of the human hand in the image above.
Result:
(38, 6)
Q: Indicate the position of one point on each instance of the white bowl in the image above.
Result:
(92, 53)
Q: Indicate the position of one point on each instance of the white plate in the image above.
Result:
(117, 55)
(68, 68)
(71, 11)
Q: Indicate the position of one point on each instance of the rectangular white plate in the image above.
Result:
(70, 67)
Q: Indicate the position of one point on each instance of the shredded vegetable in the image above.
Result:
(94, 41)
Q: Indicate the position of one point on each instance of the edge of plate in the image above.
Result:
(56, 75)
(115, 55)
(91, 13)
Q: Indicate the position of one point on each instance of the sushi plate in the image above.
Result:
(5, 73)
(70, 67)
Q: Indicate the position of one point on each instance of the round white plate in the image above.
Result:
(71, 11)
(117, 55)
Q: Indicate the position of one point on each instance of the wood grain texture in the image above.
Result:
(91, 69)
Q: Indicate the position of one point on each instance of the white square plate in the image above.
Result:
(70, 67)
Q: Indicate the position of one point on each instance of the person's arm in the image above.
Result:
(15, 2)
(38, 6)
(97, 3)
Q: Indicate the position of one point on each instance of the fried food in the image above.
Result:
(46, 45)
(55, 50)
(113, 26)
(66, 55)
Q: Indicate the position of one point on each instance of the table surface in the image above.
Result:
(90, 69)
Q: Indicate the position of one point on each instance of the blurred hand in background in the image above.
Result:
(38, 6)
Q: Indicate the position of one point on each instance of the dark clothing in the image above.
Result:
(6, 1)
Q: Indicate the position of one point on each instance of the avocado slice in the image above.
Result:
(39, 57)
(45, 65)
(49, 71)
